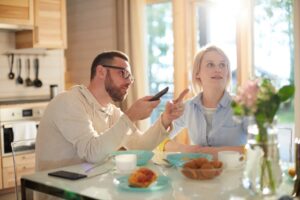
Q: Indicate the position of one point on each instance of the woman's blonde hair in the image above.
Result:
(196, 83)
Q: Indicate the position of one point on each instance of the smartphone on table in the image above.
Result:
(159, 94)
(67, 175)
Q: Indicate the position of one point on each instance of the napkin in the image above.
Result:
(254, 159)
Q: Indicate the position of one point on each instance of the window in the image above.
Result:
(160, 51)
(274, 47)
(216, 23)
(256, 35)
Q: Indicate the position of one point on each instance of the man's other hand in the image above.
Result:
(174, 109)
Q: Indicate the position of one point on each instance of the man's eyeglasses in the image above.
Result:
(125, 73)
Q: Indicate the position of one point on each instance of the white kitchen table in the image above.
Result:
(227, 186)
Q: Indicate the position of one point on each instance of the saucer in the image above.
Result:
(123, 172)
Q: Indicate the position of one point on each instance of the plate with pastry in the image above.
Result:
(142, 180)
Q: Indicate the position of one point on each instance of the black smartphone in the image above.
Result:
(159, 94)
(67, 175)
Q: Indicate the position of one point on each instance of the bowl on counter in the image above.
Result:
(201, 169)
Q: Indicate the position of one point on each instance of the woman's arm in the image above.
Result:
(214, 150)
(174, 146)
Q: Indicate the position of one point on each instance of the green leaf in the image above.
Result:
(286, 92)
(237, 109)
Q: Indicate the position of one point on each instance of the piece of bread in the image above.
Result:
(142, 178)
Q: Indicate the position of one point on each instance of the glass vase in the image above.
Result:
(262, 173)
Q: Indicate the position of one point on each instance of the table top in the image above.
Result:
(104, 186)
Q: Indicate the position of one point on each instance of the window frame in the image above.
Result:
(297, 66)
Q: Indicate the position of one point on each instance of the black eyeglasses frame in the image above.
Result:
(127, 77)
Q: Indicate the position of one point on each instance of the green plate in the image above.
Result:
(161, 183)
(178, 159)
(142, 156)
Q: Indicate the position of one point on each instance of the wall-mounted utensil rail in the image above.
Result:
(33, 52)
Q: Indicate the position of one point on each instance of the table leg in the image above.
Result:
(23, 189)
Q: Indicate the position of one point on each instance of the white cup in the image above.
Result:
(126, 162)
(231, 159)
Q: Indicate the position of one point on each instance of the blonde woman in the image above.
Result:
(208, 116)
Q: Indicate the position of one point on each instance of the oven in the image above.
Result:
(19, 123)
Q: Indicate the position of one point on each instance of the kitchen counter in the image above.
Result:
(23, 101)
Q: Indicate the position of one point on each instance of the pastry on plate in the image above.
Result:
(142, 177)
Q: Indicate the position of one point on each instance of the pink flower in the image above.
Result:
(247, 94)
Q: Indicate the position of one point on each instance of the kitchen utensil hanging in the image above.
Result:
(19, 78)
(28, 81)
(37, 82)
(11, 75)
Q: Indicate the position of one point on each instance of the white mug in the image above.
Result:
(126, 162)
(231, 159)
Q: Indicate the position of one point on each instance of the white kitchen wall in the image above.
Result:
(52, 67)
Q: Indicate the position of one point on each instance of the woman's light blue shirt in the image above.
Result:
(225, 130)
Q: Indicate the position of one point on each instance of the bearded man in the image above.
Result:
(82, 124)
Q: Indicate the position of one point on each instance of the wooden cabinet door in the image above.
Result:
(25, 165)
(50, 23)
(17, 12)
(49, 26)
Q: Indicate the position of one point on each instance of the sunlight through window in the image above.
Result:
(216, 23)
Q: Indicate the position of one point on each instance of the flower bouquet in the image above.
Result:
(259, 100)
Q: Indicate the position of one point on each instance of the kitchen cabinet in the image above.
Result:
(16, 12)
(49, 26)
(25, 165)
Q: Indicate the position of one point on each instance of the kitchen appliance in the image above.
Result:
(11, 116)
(53, 91)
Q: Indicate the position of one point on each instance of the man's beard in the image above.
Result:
(114, 92)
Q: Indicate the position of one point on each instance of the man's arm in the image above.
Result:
(160, 129)
(90, 135)
(174, 109)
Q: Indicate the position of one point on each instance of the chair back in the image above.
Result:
(23, 160)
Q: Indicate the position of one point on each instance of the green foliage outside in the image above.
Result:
(286, 112)
(160, 51)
